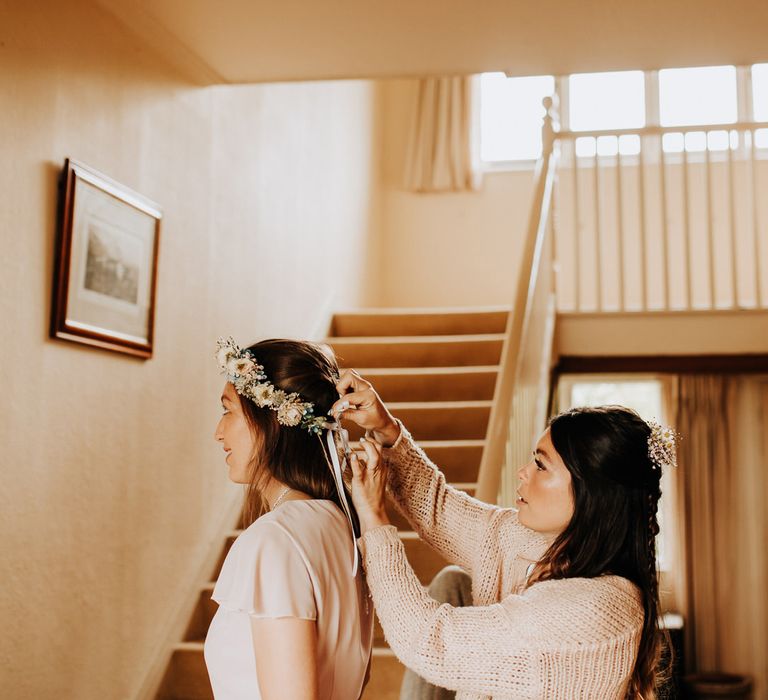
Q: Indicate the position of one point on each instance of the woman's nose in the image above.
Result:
(217, 435)
(522, 473)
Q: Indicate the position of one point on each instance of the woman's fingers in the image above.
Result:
(362, 400)
(360, 403)
(357, 468)
(369, 459)
(368, 485)
(350, 379)
(372, 451)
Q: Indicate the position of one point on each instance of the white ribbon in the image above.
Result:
(337, 471)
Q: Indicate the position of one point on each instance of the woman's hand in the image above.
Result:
(369, 485)
(361, 404)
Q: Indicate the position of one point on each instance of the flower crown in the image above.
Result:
(662, 445)
(249, 380)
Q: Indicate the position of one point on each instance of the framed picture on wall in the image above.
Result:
(105, 273)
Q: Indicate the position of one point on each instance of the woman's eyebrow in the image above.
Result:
(225, 398)
(541, 452)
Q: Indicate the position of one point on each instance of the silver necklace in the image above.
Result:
(281, 497)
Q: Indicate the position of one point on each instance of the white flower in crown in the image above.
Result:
(225, 353)
(240, 365)
(278, 397)
(262, 395)
(291, 412)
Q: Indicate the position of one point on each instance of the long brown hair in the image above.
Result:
(292, 455)
(616, 491)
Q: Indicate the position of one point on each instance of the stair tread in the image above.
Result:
(431, 444)
(463, 485)
(424, 311)
(412, 339)
(382, 651)
(418, 371)
(395, 405)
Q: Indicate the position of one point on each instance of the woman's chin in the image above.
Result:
(237, 476)
(524, 519)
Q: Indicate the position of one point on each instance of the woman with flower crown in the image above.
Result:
(294, 619)
(564, 588)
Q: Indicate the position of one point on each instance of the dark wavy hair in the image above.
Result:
(616, 492)
(292, 455)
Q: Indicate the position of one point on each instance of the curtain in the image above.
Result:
(440, 153)
(723, 489)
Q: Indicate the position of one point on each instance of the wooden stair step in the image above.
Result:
(459, 460)
(378, 633)
(370, 322)
(438, 420)
(186, 677)
(231, 537)
(433, 383)
(418, 351)
(202, 615)
(386, 676)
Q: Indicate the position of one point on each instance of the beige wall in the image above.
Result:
(112, 488)
(446, 249)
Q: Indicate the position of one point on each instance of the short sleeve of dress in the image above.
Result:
(265, 574)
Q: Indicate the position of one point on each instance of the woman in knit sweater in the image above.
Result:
(564, 587)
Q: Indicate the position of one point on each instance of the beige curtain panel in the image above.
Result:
(723, 487)
(439, 152)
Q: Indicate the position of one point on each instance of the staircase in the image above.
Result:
(436, 370)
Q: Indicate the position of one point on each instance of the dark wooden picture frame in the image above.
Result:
(105, 273)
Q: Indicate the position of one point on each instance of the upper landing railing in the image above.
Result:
(653, 219)
(663, 218)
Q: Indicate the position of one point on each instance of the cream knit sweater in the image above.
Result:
(570, 638)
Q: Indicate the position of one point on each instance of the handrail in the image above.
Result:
(492, 462)
(657, 130)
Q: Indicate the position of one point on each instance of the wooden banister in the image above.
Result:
(523, 317)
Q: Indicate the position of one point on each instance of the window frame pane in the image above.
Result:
(607, 84)
(530, 135)
(670, 90)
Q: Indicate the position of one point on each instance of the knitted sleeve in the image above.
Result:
(450, 521)
(568, 638)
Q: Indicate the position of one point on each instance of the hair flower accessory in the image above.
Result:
(249, 380)
(662, 445)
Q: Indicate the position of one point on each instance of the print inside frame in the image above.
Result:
(105, 273)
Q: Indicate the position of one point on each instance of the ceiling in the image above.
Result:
(243, 41)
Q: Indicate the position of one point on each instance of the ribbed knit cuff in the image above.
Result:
(377, 538)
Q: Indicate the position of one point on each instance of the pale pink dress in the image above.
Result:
(295, 561)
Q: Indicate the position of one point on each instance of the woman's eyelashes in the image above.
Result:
(539, 465)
